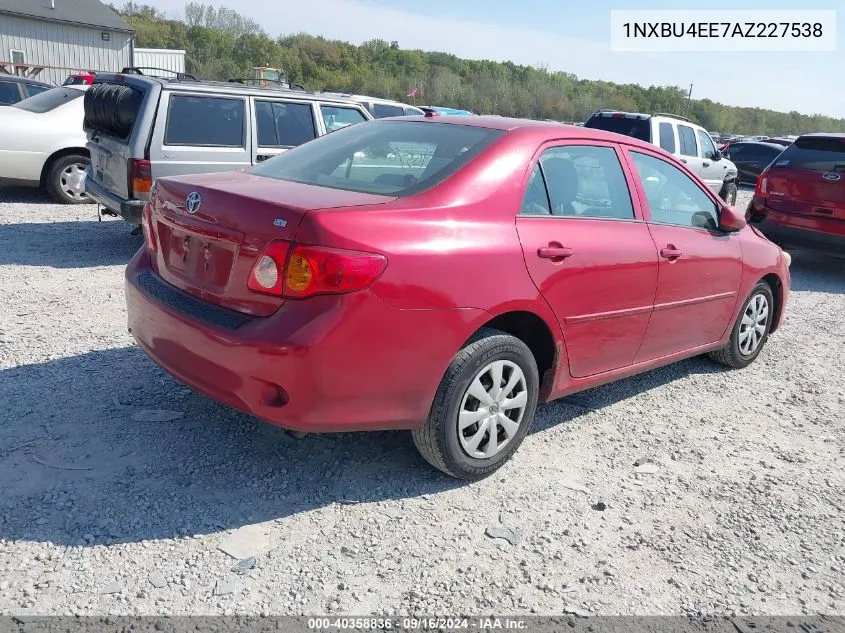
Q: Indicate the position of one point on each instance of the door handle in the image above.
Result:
(262, 157)
(683, 160)
(670, 253)
(554, 252)
(706, 164)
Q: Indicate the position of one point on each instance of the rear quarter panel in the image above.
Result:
(454, 248)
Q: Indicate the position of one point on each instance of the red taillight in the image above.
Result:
(762, 183)
(759, 200)
(304, 271)
(147, 226)
(141, 177)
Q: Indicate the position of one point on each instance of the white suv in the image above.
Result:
(689, 142)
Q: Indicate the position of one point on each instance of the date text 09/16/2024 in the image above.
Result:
(417, 624)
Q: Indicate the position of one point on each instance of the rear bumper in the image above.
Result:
(129, 210)
(331, 363)
(792, 231)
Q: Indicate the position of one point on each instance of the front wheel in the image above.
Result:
(751, 330)
(729, 193)
(483, 407)
(65, 180)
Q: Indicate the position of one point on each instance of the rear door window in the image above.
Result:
(34, 89)
(586, 181)
(736, 151)
(205, 121)
(686, 136)
(667, 137)
(821, 153)
(284, 124)
(383, 110)
(336, 117)
(536, 198)
(9, 92)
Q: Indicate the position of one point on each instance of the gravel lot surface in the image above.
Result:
(739, 511)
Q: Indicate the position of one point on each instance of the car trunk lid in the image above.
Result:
(211, 229)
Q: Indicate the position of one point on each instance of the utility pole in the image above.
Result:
(689, 100)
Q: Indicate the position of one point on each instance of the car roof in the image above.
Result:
(764, 143)
(529, 126)
(359, 98)
(609, 112)
(25, 80)
(839, 135)
(176, 84)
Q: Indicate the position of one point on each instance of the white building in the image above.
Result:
(51, 39)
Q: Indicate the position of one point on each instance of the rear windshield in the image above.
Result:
(637, 128)
(391, 158)
(817, 153)
(49, 99)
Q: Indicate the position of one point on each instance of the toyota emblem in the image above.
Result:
(193, 202)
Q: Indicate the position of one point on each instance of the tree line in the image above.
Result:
(222, 44)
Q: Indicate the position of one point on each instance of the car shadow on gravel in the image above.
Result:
(26, 195)
(567, 409)
(75, 468)
(815, 272)
(68, 244)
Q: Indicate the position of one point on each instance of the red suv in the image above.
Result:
(800, 197)
(444, 275)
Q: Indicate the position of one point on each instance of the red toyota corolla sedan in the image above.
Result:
(444, 275)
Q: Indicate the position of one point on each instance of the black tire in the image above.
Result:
(732, 355)
(57, 182)
(438, 440)
(728, 193)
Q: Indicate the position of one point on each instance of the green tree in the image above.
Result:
(221, 43)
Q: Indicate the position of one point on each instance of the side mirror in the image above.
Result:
(717, 155)
(731, 220)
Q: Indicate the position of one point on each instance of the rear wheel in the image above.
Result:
(751, 330)
(65, 180)
(483, 407)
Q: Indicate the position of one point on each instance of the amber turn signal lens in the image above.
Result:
(299, 273)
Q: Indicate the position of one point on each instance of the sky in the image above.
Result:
(573, 37)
